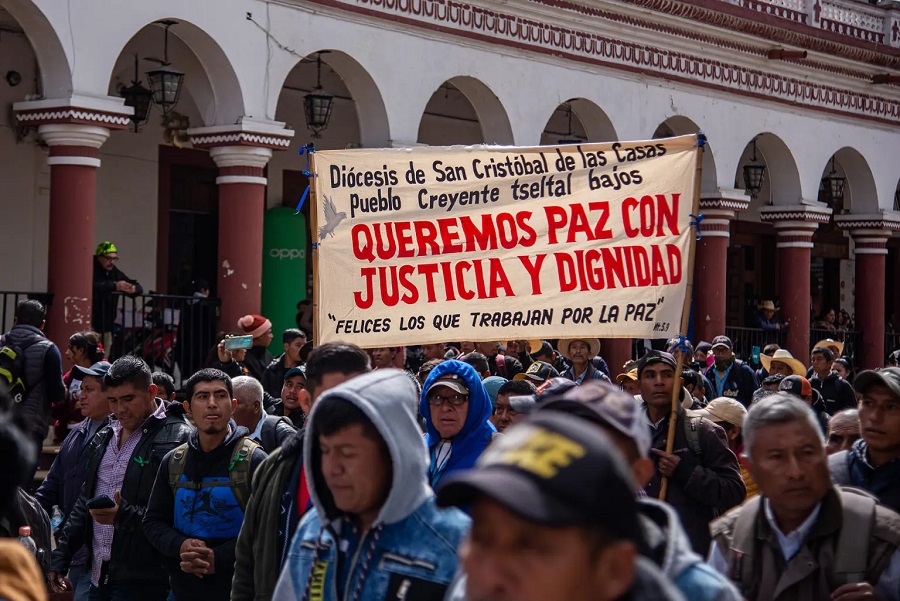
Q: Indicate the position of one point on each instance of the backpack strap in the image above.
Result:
(852, 551)
(692, 431)
(239, 470)
(743, 543)
(839, 466)
(501, 364)
(176, 469)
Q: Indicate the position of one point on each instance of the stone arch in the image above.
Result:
(210, 78)
(860, 192)
(493, 121)
(679, 125)
(52, 57)
(359, 88)
(590, 123)
(781, 182)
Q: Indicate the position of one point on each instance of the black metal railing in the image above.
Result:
(751, 341)
(891, 342)
(171, 333)
(9, 300)
(852, 341)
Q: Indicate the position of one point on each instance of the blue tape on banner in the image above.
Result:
(696, 220)
(302, 200)
(307, 149)
(683, 345)
(701, 139)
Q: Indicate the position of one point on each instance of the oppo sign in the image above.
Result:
(287, 253)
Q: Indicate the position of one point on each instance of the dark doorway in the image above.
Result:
(189, 220)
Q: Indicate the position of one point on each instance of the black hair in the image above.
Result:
(825, 352)
(30, 313)
(546, 350)
(89, 342)
(770, 349)
(199, 285)
(207, 374)
(773, 379)
(128, 369)
(291, 334)
(164, 382)
(517, 387)
(334, 357)
(478, 361)
(426, 368)
(692, 378)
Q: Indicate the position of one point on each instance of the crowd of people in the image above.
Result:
(514, 471)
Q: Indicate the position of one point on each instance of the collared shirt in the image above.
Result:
(790, 543)
(719, 382)
(110, 476)
(257, 433)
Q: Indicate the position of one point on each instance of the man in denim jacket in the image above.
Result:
(376, 532)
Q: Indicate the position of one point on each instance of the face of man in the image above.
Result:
(383, 357)
(656, 382)
(722, 353)
(507, 558)
(211, 406)
(433, 351)
(247, 410)
(488, 349)
(789, 464)
(820, 364)
(700, 357)
(841, 370)
(329, 381)
(632, 387)
(466, 347)
(777, 367)
(292, 349)
(291, 390)
(879, 421)
(843, 431)
(768, 313)
(448, 410)
(108, 261)
(579, 352)
(355, 471)
(264, 339)
(92, 400)
(503, 416)
(131, 405)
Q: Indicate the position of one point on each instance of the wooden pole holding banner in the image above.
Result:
(314, 232)
(686, 310)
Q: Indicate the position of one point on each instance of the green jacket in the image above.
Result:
(258, 551)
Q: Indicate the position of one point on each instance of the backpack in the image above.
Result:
(238, 471)
(851, 553)
(12, 371)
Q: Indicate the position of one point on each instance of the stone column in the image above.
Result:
(241, 152)
(795, 227)
(711, 262)
(74, 129)
(616, 352)
(870, 234)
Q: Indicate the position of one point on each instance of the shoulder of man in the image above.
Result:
(887, 526)
(839, 466)
(722, 527)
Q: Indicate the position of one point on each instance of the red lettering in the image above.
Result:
(461, 268)
(530, 236)
(404, 240)
(628, 205)
(534, 270)
(499, 281)
(667, 213)
(449, 237)
(426, 234)
(483, 239)
(364, 302)
(411, 296)
(556, 220)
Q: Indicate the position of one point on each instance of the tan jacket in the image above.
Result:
(809, 574)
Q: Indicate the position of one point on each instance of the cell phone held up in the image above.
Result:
(100, 502)
(237, 343)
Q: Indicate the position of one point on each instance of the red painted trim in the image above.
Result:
(242, 170)
(74, 151)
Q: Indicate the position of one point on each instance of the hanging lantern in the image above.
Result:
(317, 105)
(138, 98)
(753, 175)
(571, 137)
(833, 186)
(165, 81)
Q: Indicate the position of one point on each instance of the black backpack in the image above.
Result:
(12, 371)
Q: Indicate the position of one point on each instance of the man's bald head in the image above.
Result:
(843, 430)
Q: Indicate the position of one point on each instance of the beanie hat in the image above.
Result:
(254, 325)
(104, 248)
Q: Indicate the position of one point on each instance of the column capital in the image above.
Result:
(870, 232)
(814, 213)
(108, 112)
(247, 132)
(719, 208)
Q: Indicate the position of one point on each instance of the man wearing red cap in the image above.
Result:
(258, 357)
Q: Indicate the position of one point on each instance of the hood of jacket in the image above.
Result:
(687, 400)
(667, 543)
(477, 431)
(387, 398)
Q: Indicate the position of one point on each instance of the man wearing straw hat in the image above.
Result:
(765, 317)
(581, 352)
(782, 362)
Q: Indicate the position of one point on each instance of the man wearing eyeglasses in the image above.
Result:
(457, 411)
(109, 279)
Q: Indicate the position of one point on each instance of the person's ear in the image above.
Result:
(305, 401)
(286, 347)
(487, 374)
(187, 407)
(642, 468)
(43, 324)
(154, 390)
(614, 569)
(233, 405)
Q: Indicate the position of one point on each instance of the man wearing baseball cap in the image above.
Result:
(729, 414)
(109, 279)
(728, 376)
(561, 485)
(704, 479)
(801, 387)
(873, 462)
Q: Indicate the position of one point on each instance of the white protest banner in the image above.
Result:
(484, 243)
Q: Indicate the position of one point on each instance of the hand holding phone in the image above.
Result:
(236, 343)
(100, 502)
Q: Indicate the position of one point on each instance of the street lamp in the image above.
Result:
(571, 137)
(317, 105)
(753, 175)
(833, 186)
(138, 98)
(165, 82)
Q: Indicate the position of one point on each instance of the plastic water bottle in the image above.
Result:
(26, 540)
(56, 519)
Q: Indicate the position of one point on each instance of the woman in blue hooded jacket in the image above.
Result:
(457, 410)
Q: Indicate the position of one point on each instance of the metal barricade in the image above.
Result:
(9, 300)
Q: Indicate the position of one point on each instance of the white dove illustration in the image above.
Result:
(332, 219)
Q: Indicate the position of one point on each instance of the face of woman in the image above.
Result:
(829, 317)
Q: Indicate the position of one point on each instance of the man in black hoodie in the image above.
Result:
(109, 279)
(197, 505)
(837, 393)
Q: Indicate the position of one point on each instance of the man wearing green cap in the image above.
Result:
(109, 279)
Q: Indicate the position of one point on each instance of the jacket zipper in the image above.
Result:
(359, 548)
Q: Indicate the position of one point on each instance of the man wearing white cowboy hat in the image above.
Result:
(581, 352)
(765, 317)
(782, 362)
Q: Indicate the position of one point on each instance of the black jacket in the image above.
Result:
(837, 393)
(257, 360)
(739, 385)
(275, 430)
(132, 557)
(273, 377)
(103, 313)
(234, 369)
(213, 518)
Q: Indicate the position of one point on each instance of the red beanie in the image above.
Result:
(254, 325)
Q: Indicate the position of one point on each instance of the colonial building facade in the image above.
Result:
(807, 89)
